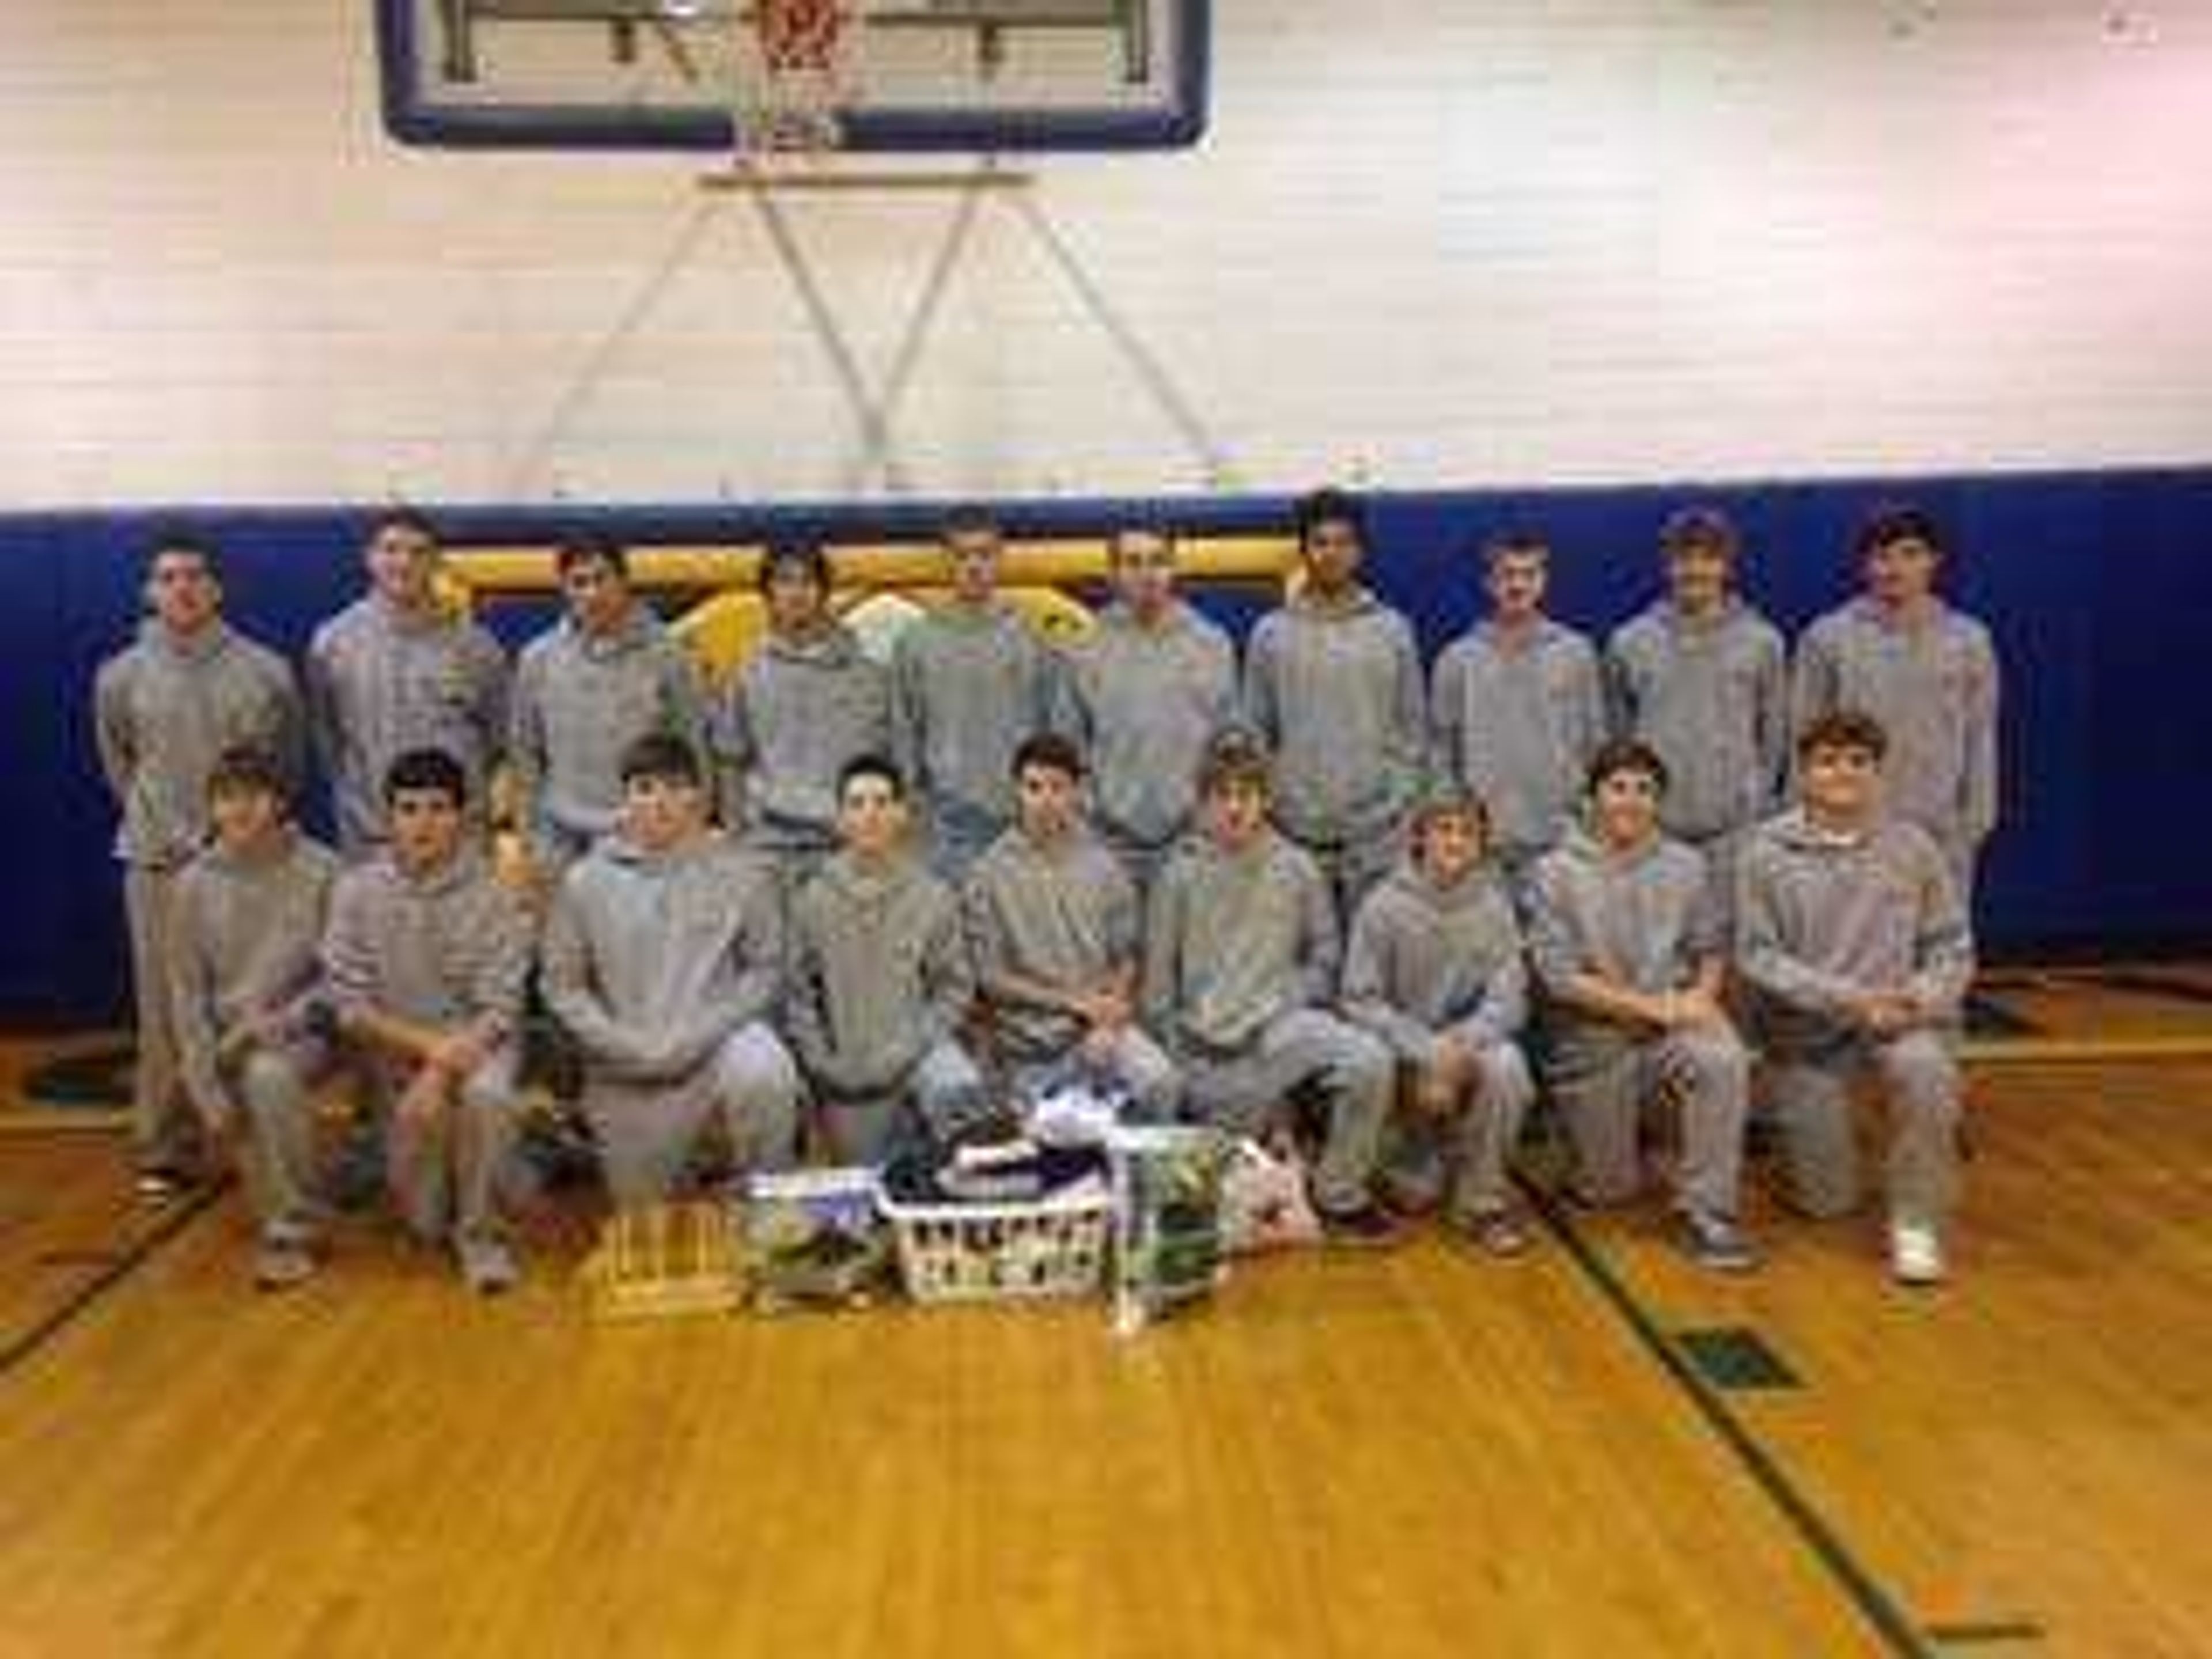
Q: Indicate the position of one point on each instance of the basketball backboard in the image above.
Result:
(924, 76)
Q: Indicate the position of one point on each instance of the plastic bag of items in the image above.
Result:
(1264, 1203)
(1166, 1212)
(815, 1238)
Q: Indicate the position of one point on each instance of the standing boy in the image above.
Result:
(1146, 692)
(1240, 959)
(584, 690)
(243, 980)
(425, 957)
(1628, 944)
(1855, 943)
(1926, 674)
(880, 983)
(1434, 972)
(1333, 682)
(392, 671)
(1052, 923)
(968, 681)
(164, 708)
(664, 958)
(1517, 706)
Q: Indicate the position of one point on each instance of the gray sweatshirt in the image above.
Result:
(243, 946)
(1336, 691)
(581, 699)
(1649, 919)
(1235, 941)
(651, 961)
(1822, 915)
(1712, 698)
(1145, 703)
(1426, 961)
(1934, 689)
(795, 713)
(880, 973)
(447, 949)
(380, 682)
(1064, 917)
(967, 687)
(1518, 724)
(165, 709)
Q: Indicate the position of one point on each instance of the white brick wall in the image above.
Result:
(1479, 241)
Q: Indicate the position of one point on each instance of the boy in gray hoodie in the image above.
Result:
(391, 673)
(584, 691)
(806, 702)
(243, 981)
(1051, 922)
(1333, 684)
(1703, 679)
(163, 710)
(1146, 693)
(968, 681)
(881, 983)
(1926, 674)
(663, 957)
(1434, 971)
(1858, 951)
(425, 957)
(1517, 706)
(1240, 959)
(1626, 938)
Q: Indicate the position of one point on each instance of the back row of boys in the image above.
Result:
(1332, 682)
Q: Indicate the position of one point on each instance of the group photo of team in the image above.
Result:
(1658, 890)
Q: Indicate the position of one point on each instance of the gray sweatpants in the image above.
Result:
(275, 1090)
(165, 1130)
(1249, 1094)
(1464, 1160)
(1918, 1075)
(1604, 1091)
(942, 1095)
(1354, 869)
(443, 1163)
(648, 1132)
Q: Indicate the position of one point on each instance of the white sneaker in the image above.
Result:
(1916, 1252)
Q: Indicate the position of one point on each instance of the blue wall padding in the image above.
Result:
(2097, 587)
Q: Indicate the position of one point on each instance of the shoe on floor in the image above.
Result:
(1495, 1232)
(1369, 1226)
(281, 1263)
(1716, 1244)
(1916, 1253)
(488, 1267)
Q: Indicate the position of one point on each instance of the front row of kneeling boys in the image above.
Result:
(718, 1000)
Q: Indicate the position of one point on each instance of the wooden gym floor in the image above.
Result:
(1413, 1453)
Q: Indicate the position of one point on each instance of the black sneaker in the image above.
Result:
(1716, 1244)
(1369, 1226)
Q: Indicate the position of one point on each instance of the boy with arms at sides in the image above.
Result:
(807, 700)
(1859, 953)
(1240, 959)
(1052, 925)
(1626, 938)
(663, 957)
(1926, 674)
(1333, 684)
(880, 984)
(1434, 971)
(391, 673)
(606, 675)
(425, 958)
(243, 980)
(163, 710)
(968, 681)
(1703, 679)
(1146, 693)
(1517, 706)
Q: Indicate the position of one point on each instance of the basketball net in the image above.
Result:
(795, 75)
